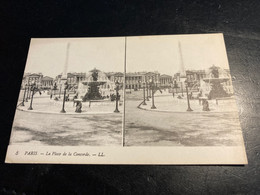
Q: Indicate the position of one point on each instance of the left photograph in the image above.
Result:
(71, 93)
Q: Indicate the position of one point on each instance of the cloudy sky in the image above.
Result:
(146, 53)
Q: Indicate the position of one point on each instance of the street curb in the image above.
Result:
(77, 114)
(168, 111)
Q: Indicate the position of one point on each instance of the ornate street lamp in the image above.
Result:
(33, 91)
(175, 86)
(28, 88)
(188, 99)
(64, 97)
(117, 96)
(139, 85)
(29, 91)
(152, 86)
(53, 89)
(182, 89)
(60, 90)
(144, 103)
(150, 92)
(24, 95)
(147, 91)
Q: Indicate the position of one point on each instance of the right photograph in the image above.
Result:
(178, 92)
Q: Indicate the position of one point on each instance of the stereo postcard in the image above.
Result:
(165, 99)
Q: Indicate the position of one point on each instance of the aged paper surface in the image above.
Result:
(127, 100)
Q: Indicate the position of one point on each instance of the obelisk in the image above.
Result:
(182, 67)
(64, 73)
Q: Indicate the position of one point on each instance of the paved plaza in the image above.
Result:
(66, 130)
(171, 125)
(168, 103)
(168, 125)
(97, 125)
(43, 104)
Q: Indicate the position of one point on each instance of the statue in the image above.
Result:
(95, 75)
(93, 90)
(214, 73)
(217, 89)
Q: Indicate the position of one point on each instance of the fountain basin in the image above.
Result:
(93, 83)
(215, 80)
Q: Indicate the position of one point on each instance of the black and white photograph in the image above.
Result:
(71, 93)
(127, 98)
(179, 92)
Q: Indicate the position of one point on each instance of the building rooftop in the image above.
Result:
(165, 75)
(35, 74)
(47, 78)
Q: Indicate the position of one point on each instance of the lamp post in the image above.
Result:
(144, 103)
(53, 89)
(182, 90)
(29, 91)
(33, 87)
(28, 88)
(139, 85)
(147, 91)
(175, 86)
(59, 91)
(152, 89)
(24, 95)
(64, 97)
(117, 96)
(188, 99)
(150, 92)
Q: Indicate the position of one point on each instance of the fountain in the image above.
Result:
(93, 84)
(215, 83)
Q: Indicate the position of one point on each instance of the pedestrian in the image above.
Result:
(205, 105)
(78, 107)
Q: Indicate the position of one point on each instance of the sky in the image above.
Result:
(48, 56)
(143, 53)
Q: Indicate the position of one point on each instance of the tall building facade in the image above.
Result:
(115, 76)
(46, 82)
(166, 81)
(30, 78)
(73, 80)
(137, 79)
